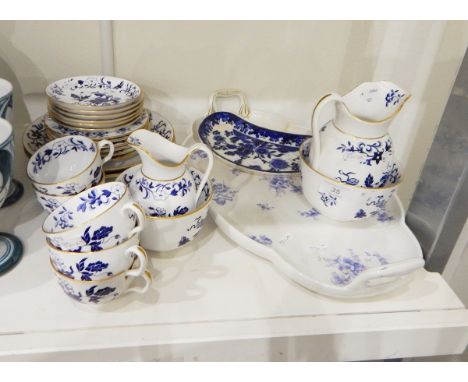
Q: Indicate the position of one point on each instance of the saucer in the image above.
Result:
(11, 251)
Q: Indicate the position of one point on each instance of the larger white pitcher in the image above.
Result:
(354, 147)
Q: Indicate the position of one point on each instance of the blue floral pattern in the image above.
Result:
(222, 193)
(327, 199)
(183, 240)
(265, 206)
(97, 198)
(393, 97)
(251, 146)
(311, 213)
(93, 91)
(85, 271)
(372, 152)
(348, 267)
(282, 184)
(163, 190)
(58, 149)
(95, 295)
(262, 239)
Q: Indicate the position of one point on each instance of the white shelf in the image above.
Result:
(213, 301)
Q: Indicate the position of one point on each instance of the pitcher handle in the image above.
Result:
(101, 144)
(205, 149)
(135, 208)
(326, 99)
(244, 110)
(140, 253)
(148, 280)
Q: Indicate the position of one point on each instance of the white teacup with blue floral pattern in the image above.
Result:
(50, 203)
(97, 265)
(98, 218)
(67, 165)
(97, 292)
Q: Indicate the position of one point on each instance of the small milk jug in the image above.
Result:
(164, 186)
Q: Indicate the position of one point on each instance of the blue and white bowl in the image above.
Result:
(6, 100)
(97, 265)
(98, 292)
(337, 200)
(249, 146)
(68, 165)
(93, 92)
(165, 233)
(98, 218)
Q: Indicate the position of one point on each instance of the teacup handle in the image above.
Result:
(140, 217)
(205, 149)
(148, 280)
(326, 99)
(140, 253)
(101, 144)
(244, 110)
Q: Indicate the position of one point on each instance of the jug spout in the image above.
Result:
(160, 158)
(367, 110)
(375, 101)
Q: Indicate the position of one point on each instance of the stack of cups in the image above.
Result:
(65, 167)
(93, 240)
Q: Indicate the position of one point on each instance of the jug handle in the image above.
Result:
(244, 110)
(205, 149)
(326, 99)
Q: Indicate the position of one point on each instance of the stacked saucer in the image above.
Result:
(96, 107)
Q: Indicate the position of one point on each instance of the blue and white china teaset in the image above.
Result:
(320, 209)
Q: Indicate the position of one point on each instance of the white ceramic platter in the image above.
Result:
(93, 91)
(107, 133)
(268, 215)
(35, 136)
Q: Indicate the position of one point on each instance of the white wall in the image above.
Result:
(282, 66)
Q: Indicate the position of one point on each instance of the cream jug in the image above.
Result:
(354, 147)
(164, 185)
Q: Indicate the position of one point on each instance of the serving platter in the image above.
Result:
(244, 142)
(268, 215)
(35, 136)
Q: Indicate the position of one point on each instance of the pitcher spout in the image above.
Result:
(160, 158)
(375, 102)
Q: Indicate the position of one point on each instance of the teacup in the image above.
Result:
(6, 100)
(99, 264)
(104, 290)
(337, 200)
(164, 233)
(67, 165)
(6, 158)
(49, 202)
(98, 218)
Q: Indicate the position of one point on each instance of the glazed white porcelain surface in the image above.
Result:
(93, 133)
(337, 200)
(6, 100)
(354, 147)
(97, 292)
(93, 92)
(49, 202)
(167, 233)
(68, 165)
(100, 264)
(35, 136)
(269, 216)
(164, 186)
(6, 158)
(98, 218)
